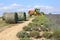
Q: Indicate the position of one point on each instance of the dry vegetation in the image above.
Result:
(36, 30)
(4, 25)
(39, 29)
(55, 25)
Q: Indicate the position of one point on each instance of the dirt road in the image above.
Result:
(10, 33)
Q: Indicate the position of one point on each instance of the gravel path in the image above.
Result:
(10, 33)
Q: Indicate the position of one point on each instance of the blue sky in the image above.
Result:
(46, 6)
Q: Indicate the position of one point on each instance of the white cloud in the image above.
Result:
(15, 5)
(36, 6)
(10, 7)
(48, 9)
(43, 7)
(19, 7)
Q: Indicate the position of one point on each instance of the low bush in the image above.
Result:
(37, 24)
(35, 20)
(27, 28)
(34, 24)
(47, 35)
(35, 28)
(30, 24)
(25, 38)
(22, 34)
(46, 25)
(34, 34)
(44, 28)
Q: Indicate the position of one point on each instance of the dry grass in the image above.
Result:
(2, 23)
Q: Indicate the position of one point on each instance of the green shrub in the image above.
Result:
(33, 24)
(46, 25)
(34, 34)
(47, 35)
(30, 24)
(35, 28)
(27, 28)
(25, 39)
(37, 24)
(44, 28)
(40, 19)
(22, 34)
(35, 20)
